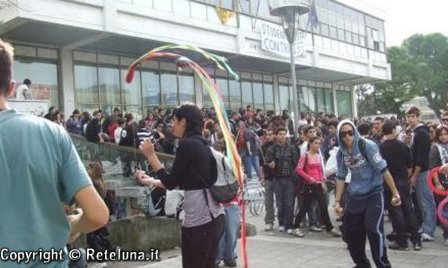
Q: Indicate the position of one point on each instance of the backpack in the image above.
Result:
(226, 186)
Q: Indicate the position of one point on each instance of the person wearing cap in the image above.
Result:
(364, 199)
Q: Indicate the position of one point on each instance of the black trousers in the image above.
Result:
(404, 217)
(364, 217)
(305, 200)
(200, 244)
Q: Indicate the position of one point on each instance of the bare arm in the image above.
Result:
(340, 185)
(396, 201)
(147, 180)
(94, 213)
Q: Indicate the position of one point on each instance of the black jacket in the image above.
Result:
(268, 172)
(194, 167)
(421, 145)
(285, 157)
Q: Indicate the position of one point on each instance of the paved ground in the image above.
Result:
(274, 249)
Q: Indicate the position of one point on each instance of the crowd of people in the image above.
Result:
(300, 168)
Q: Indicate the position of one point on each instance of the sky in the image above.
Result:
(407, 17)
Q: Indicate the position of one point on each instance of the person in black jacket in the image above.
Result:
(399, 163)
(420, 147)
(194, 170)
(282, 158)
(268, 181)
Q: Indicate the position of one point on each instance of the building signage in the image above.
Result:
(273, 39)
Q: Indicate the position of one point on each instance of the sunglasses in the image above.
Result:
(346, 133)
(444, 119)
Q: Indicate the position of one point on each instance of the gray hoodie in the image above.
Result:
(366, 170)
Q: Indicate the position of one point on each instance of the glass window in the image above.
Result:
(86, 85)
(43, 76)
(355, 39)
(284, 97)
(206, 100)
(307, 99)
(244, 6)
(344, 102)
(235, 94)
(224, 88)
(341, 34)
(362, 40)
(246, 90)
(258, 95)
(324, 29)
(228, 4)
(263, 9)
(169, 89)
(151, 88)
(186, 89)
(109, 82)
(268, 90)
(329, 101)
(348, 37)
(135, 110)
(333, 32)
(132, 92)
(320, 97)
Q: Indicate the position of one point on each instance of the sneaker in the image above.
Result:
(366, 265)
(289, 231)
(396, 246)
(298, 233)
(231, 263)
(269, 227)
(314, 228)
(281, 229)
(426, 237)
(391, 237)
(417, 246)
(334, 233)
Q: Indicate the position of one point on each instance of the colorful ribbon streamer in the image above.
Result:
(431, 185)
(218, 103)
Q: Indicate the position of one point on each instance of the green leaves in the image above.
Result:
(419, 68)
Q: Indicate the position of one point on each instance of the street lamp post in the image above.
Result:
(289, 12)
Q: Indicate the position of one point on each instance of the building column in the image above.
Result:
(275, 84)
(66, 78)
(335, 100)
(354, 106)
(198, 90)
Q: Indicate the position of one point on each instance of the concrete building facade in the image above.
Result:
(76, 53)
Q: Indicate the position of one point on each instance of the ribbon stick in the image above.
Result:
(216, 96)
(434, 172)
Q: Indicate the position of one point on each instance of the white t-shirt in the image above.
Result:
(118, 134)
(22, 90)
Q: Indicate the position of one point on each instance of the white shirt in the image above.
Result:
(22, 90)
(118, 134)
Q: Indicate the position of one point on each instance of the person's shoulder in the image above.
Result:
(34, 124)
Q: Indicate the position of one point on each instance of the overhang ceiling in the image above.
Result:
(55, 35)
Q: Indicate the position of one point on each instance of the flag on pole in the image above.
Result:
(313, 18)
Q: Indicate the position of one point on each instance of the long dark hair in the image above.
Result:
(193, 117)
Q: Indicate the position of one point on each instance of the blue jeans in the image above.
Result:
(284, 196)
(227, 243)
(425, 199)
(249, 162)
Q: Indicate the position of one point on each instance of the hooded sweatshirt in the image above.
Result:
(366, 169)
